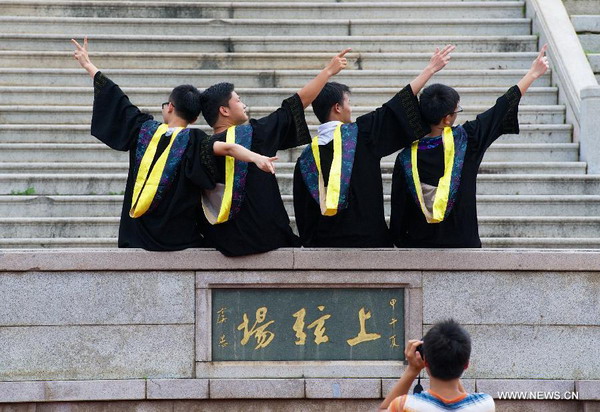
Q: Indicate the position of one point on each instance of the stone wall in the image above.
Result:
(125, 325)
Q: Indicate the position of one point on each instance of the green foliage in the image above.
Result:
(27, 192)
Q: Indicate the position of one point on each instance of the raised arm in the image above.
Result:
(538, 68)
(415, 365)
(239, 152)
(81, 55)
(312, 89)
(438, 61)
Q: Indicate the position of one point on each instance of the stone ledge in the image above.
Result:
(47, 391)
(301, 259)
(343, 388)
(256, 388)
(588, 390)
(496, 386)
(187, 389)
(177, 389)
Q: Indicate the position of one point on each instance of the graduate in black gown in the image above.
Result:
(338, 189)
(169, 164)
(245, 213)
(434, 181)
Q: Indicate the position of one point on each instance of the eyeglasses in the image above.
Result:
(458, 110)
(165, 104)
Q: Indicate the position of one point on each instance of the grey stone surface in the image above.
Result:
(203, 325)
(287, 369)
(528, 298)
(538, 406)
(588, 390)
(343, 388)
(72, 391)
(388, 384)
(96, 298)
(277, 405)
(312, 276)
(96, 352)
(407, 259)
(256, 388)
(413, 314)
(495, 387)
(138, 260)
(590, 106)
(177, 389)
(534, 352)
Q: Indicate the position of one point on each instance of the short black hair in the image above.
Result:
(438, 101)
(213, 98)
(186, 100)
(447, 349)
(331, 94)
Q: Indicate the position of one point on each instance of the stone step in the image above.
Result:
(98, 152)
(97, 167)
(229, 44)
(590, 42)
(249, 10)
(80, 133)
(270, 61)
(58, 96)
(581, 6)
(516, 242)
(489, 226)
(332, 26)
(312, 1)
(260, 78)
(552, 226)
(595, 62)
(83, 114)
(113, 183)
(110, 206)
(586, 23)
(541, 243)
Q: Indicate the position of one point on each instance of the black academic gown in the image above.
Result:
(175, 223)
(459, 229)
(362, 224)
(262, 223)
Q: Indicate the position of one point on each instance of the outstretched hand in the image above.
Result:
(540, 65)
(266, 164)
(338, 63)
(441, 58)
(81, 55)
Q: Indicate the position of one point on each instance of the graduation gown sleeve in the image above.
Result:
(283, 129)
(115, 120)
(394, 125)
(500, 119)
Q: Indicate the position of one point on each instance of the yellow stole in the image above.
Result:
(146, 181)
(443, 190)
(227, 188)
(329, 197)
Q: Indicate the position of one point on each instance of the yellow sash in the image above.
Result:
(443, 190)
(146, 186)
(229, 175)
(329, 196)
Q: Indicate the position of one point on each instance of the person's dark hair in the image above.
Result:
(438, 101)
(447, 349)
(331, 94)
(186, 100)
(213, 98)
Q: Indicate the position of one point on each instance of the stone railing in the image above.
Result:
(572, 72)
(116, 325)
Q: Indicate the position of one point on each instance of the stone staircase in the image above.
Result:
(586, 21)
(59, 187)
